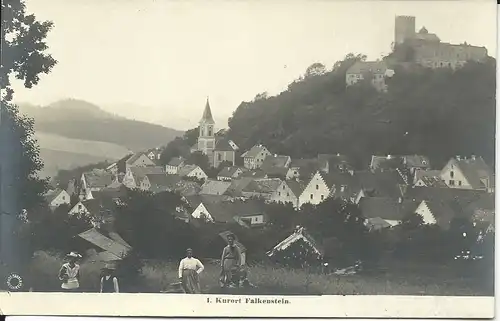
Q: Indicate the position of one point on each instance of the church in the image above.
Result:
(217, 148)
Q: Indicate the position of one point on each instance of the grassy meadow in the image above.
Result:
(398, 280)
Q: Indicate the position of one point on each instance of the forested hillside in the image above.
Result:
(82, 120)
(439, 113)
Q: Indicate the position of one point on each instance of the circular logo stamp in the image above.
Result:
(14, 281)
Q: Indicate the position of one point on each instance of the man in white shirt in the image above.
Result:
(189, 270)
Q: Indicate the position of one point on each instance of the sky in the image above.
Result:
(159, 60)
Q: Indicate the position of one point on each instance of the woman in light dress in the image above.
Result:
(69, 273)
(189, 270)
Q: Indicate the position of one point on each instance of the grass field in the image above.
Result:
(401, 280)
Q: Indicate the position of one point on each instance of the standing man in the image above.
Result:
(109, 282)
(230, 263)
(189, 270)
(70, 273)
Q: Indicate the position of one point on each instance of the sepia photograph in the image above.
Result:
(248, 155)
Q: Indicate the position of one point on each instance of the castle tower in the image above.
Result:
(206, 138)
(404, 29)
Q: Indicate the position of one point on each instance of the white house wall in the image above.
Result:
(315, 192)
(426, 213)
(201, 209)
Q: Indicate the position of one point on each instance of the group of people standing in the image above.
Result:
(190, 268)
(69, 274)
(189, 271)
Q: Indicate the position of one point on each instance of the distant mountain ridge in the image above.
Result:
(79, 119)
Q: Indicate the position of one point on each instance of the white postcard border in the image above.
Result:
(209, 305)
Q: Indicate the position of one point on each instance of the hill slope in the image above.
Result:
(440, 113)
(81, 120)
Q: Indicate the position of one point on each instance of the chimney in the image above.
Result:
(389, 156)
(458, 157)
(473, 157)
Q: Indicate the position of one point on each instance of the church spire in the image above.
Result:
(207, 113)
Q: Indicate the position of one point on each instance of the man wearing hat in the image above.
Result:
(70, 273)
(109, 282)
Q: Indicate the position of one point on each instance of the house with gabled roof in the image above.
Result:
(336, 162)
(100, 210)
(299, 236)
(192, 171)
(110, 249)
(254, 157)
(428, 178)
(174, 165)
(387, 183)
(315, 191)
(94, 180)
(135, 177)
(57, 197)
(249, 213)
(373, 71)
(383, 163)
(416, 162)
(468, 173)
(288, 191)
(305, 168)
(382, 212)
(229, 173)
(214, 187)
(158, 183)
(276, 166)
(224, 151)
(138, 160)
(261, 188)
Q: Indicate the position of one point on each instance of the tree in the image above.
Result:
(23, 55)
(23, 46)
(315, 69)
(200, 159)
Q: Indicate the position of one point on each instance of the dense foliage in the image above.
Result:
(23, 56)
(439, 113)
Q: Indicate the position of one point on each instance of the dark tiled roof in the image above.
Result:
(107, 244)
(380, 184)
(98, 178)
(417, 161)
(433, 181)
(176, 161)
(386, 162)
(213, 187)
(274, 171)
(228, 210)
(255, 173)
(337, 161)
(254, 151)
(297, 187)
(275, 161)
(264, 186)
(360, 67)
(163, 182)
(51, 195)
(386, 208)
(308, 167)
(475, 170)
(237, 186)
(228, 171)
(133, 158)
(185, 170)
(463, 196)
(223, 145)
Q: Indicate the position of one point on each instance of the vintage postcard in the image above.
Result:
(248, 158)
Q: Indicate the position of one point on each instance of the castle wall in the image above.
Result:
(438, 55)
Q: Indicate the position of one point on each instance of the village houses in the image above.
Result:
(229, 173)
(253, 158)
(468, 173)
(138, 160)
(56, 198)
(174, 165)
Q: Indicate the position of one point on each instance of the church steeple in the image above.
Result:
(207, 114)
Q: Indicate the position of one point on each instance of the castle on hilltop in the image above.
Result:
(429, 51)
(218, 148)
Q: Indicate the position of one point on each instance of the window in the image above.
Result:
(317, 186)
(63, 198)
(283, 186)
(322, 197)
(459, 183)
(452, 182)
(287, 194)
(312, 196)
(219, 156)
(79, 206)
(279, 193)
(452, 174)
